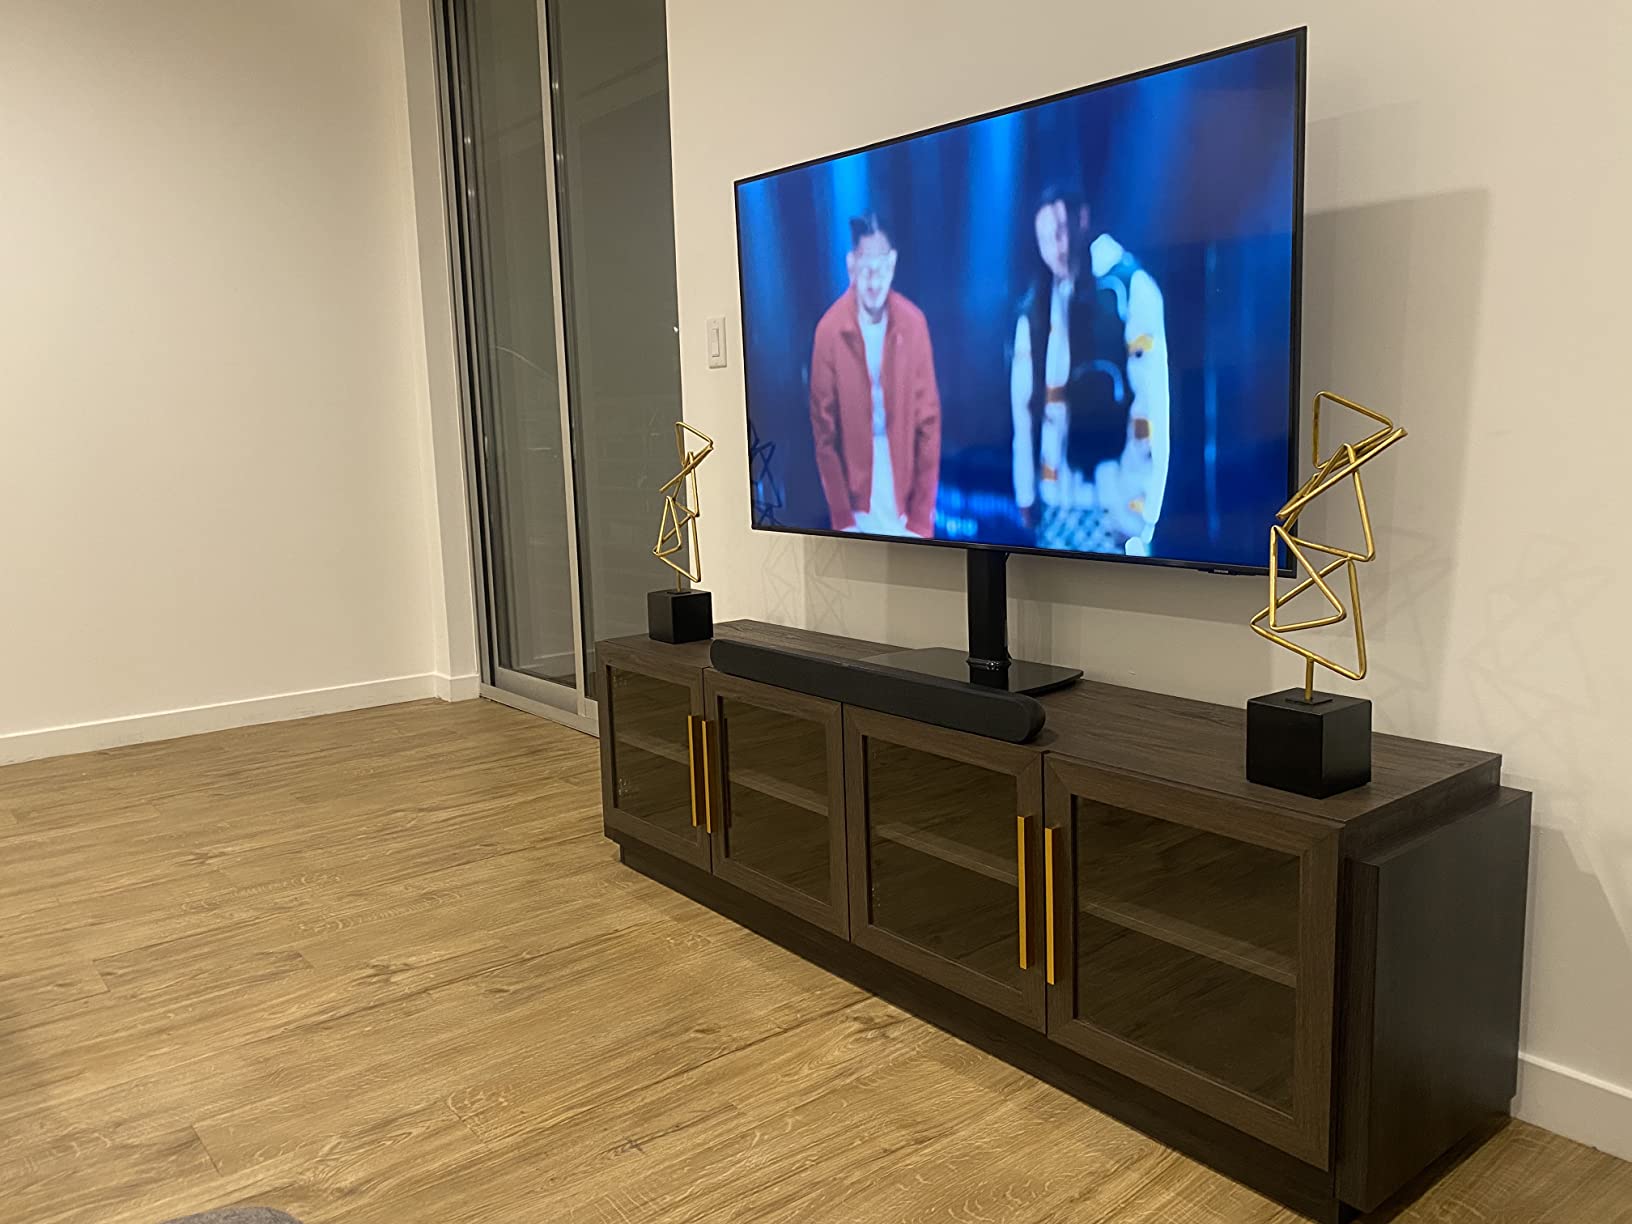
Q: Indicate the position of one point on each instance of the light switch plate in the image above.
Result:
(716, 344)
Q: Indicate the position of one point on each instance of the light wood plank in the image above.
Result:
(1524, 1174)
(50, 1185)
(39, 989)
(195, 966)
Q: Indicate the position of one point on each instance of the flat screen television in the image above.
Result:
(1068, 327)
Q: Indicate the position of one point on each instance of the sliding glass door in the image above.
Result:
(611, 97)
(560, 185)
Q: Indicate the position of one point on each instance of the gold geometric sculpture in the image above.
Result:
(681, 508)
(1344, 463)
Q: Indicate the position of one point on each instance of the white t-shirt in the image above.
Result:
(882, 516)
(872, 339)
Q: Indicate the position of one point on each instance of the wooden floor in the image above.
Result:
(381, 968)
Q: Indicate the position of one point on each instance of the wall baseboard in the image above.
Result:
(196, 720)
(1574, 1104)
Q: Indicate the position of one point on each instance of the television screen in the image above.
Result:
(1070, 327)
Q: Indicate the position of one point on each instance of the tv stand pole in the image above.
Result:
(987, 662)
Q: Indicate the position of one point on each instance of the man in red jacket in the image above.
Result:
(875, 410)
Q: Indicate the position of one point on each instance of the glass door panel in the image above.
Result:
(513, 361)
(781, 792)
(776, 775)
(609, 62)
(1191, 946)
(948, 831)
(652, 782)
(1174, 923)
(944, 871)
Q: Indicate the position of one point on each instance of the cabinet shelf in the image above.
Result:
(1242, 954)
(654, 744)
(1233, 902)
(792, 793)
(959, 854)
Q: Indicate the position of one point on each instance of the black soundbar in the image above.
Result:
(945, 703)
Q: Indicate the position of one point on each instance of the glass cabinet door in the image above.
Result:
(776, 773)
(945, 830)
(1190, 945)
(651, 779)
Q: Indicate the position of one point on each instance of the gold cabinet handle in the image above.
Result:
(1020, 859)
(708, 797)
(1048, 902)
(691, 757)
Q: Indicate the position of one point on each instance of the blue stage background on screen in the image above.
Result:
(1192, 170)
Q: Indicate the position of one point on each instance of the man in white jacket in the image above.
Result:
(1089, 390)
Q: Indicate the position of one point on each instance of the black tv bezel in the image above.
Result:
(1299, 36)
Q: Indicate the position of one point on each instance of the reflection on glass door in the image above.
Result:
(610, 72)
(502, 164)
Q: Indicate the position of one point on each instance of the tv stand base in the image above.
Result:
(1018, 676)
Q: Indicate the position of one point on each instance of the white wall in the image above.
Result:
(217, 483)
(1466, 264)
(453, 603)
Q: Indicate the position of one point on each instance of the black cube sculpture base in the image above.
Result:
(680, 616)
(1315, 748)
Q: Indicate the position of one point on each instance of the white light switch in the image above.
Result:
(716, 344)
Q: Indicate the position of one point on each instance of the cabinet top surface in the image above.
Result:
(1173, 739)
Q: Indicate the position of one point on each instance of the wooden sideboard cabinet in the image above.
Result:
(1318, 997)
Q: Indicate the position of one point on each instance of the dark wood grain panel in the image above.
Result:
(643, 653)
(1200, 745)
(1434, 938)
(1164, 799)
